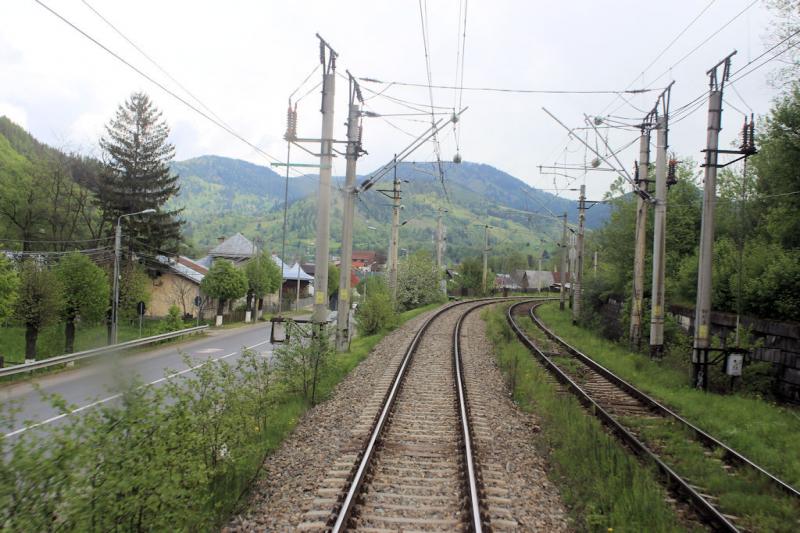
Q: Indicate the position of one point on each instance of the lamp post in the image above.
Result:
(117, 253)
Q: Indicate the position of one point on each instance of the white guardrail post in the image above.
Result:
(77, 356)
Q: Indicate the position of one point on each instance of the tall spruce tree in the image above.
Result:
(138, 177)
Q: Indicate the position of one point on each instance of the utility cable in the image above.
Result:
(514, 90)
(159, 84)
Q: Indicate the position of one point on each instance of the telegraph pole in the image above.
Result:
(328, 59)
(440, 248)
(395, 238)
(563, 273)
(702, 321)
(659, 237)
(578, 291)
(349, 202)
(485, 256)
(640, 237)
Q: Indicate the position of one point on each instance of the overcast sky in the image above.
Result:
(243, 59)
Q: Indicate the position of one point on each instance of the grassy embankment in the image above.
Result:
(764, 432)
(604, 487)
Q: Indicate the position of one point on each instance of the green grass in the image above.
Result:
(765, 432)
(603, 486)
(51, 339)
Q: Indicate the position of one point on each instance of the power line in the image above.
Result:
(159, 85)
(510, 90)
(153, 61)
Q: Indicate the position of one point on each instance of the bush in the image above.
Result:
(175, 457)
(171, 322)
(375, 313)
(302, 362)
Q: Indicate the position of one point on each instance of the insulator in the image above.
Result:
(671, 172)
(636, 172)
(595, 162)
(454, 118)
(360, 133)
(457, 158)
(598, 121)
(291, 124)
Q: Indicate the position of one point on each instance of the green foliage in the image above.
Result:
(333, 279)
(9, 284)
(471, 275)
(138, 176)
(418, 282)
(85, 288)
(39, 302)
(375, 313)
(173, 321)
(302, 362)
(164, 458)
(134, 287)
(224, 281)
(46, 193)
(263, 275)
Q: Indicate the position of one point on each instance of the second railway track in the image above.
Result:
(617, 403)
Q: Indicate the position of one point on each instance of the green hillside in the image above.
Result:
(223, 196)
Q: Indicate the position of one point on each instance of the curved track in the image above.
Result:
(417, 469)
(612, 399)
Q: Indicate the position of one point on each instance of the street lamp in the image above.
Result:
(117, 253)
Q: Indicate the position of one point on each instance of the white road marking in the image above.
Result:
(115, 396)
(209, 350)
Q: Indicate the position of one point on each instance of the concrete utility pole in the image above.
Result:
(328, 59)
(702, 321)
(394, 243)
(117, 259)
(659, 238)
(485, 257)
(640, 237)
(349, 202)
(539, 276)
(440, 248)
(578, 294)
(563, 273)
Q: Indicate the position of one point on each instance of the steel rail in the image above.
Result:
(77, 356)
(709, 440)
(674, 480)
(368, 452)
(476, 519)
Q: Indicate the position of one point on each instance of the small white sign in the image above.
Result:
(733, 364)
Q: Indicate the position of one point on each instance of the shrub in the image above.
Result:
(375, 313)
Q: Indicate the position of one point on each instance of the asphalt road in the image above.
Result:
(92, 385)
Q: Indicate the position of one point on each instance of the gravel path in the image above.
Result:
(287, 485)
(508, 459)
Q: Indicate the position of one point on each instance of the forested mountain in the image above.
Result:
(45, 193)
(222, 196)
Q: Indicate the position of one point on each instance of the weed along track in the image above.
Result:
(727, 490)
(417, 469)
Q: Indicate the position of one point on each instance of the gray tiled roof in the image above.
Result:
(235, 246)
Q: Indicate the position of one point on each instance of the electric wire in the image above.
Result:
(516, 90)
(159, 84)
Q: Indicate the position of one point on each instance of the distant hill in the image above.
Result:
(223, 195)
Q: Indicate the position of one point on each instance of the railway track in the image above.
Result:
(417, 467)
(617, 404)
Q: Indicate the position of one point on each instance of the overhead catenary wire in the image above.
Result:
(514, 90)
(160, 85)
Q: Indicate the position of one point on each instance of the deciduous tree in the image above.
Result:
(224, 282)
(85, 290)
(38, 303)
